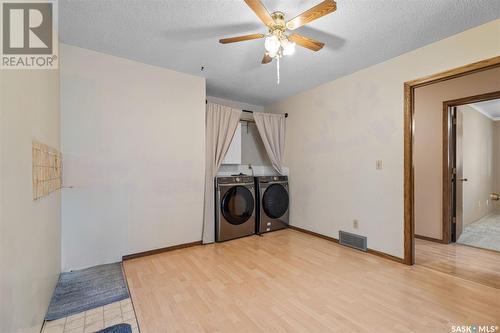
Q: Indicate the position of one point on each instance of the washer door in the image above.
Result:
(275, 201)
(237, 205)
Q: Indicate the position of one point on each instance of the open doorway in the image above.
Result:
(473, 170)
(431, 209)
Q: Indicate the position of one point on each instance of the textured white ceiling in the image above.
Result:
(183, 35)
(489, 108)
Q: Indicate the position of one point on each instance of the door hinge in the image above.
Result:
(454, 121)
(454, 220)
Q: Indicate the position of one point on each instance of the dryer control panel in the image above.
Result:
(270, 179)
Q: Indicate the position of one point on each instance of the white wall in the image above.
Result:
(30, 238)
(133, 139)
(479, 167)
(336, 132)
(252, 148)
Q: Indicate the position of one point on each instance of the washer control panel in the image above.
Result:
(235, 179)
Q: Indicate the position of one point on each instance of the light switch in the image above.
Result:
(378, 165)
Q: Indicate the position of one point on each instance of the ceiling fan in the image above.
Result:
(278, 43)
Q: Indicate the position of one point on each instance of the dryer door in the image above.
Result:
(237, 205)
(275, 201)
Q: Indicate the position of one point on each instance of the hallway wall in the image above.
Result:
(496, 163)
(428, 144)
(479, 167)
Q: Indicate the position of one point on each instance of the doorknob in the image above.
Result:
(463, 179)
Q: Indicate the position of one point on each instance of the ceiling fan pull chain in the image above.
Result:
(278, 69)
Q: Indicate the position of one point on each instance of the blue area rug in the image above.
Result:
(120, 328)
(86, 289)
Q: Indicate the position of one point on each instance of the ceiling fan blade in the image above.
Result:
(261, 11)
(240, 38)
(326, 7)
(306, 42)
(267, 59)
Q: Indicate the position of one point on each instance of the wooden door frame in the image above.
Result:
(408, 132)
(447, 170)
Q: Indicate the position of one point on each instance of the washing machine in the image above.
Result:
(272, 192)
(234, 207)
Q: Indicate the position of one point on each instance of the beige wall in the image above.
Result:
(337, 131)
(133, 139)
(479, 167)
(428, 146)
(30, 232)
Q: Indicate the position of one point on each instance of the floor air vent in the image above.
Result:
(352, 240)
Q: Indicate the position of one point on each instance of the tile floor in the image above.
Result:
(95, 319)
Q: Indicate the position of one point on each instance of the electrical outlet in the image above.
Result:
(378, 164)
(355, 224)
(479, 204)
(487, 202)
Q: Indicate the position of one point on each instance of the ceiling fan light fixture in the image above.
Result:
(272, 45)
(272, 55)
(288, 47)
(278, 42)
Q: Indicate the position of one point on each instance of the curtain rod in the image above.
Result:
(286, 114)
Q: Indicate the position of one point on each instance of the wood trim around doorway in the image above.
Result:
(409, 104)
(447, 171)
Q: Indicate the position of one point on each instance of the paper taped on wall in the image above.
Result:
(47, 170)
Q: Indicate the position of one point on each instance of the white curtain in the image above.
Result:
(272, 131)
(221, 123)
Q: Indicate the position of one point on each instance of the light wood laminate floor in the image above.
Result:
(288, 281)
(466, 262)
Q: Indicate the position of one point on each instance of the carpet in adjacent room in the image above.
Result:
(484, 233)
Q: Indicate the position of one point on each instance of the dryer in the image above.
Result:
(273, 203)
(234, 207)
